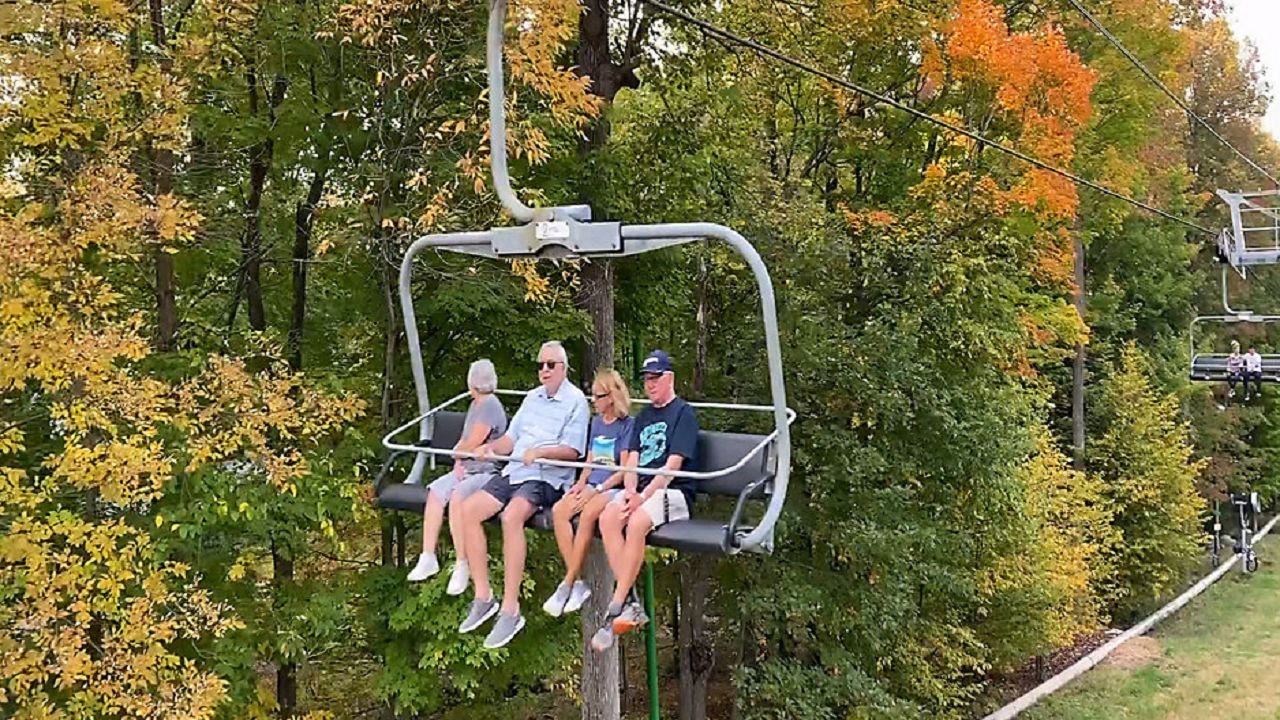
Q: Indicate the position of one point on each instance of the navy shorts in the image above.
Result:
(539, 494)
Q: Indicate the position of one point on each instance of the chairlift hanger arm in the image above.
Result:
(1234, 243)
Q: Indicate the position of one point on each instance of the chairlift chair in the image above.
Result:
(751, 468)
(1212, 367)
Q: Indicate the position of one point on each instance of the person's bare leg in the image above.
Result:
(632, 558)
(432, 519)
(457, 525)
(479, 507)
(514, 548)
(586, 533)
(562, 522)
(611, 524)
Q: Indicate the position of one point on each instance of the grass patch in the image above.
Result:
(1220, 658)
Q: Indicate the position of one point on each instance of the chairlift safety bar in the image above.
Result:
(691, 474)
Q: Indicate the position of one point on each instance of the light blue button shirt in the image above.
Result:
(547, 421)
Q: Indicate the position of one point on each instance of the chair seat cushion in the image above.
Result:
(702, 535)
(706, 535)
(412, 498)
(693, 535)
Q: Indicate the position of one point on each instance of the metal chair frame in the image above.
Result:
(568, 232)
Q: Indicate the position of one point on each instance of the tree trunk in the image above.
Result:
(394, 330)
(251, 242)
(1077, 365)
(600, 698)
(596, 297)
(166, 297)
(249, 280)
(600, 671)
(304, 219)
(166, 302)
(286, 672)
(696, 650)
(260, 155)
(698, 386)
(696, 654)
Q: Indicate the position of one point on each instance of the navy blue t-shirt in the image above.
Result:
(662, 432)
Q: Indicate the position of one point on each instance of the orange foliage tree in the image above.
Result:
(1040, 90)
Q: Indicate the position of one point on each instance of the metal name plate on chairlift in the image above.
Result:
(562, 237)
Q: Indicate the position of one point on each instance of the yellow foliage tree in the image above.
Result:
(1147, 465)
(95, 621)
(1060, 587)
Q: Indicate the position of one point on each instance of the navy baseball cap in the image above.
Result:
(658, 362)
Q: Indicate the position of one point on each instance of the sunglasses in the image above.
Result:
(546, 364)
(652, 376)
(601, 396)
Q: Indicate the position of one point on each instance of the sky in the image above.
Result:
(1259, 20)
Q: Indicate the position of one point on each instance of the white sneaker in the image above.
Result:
(555, 605)
(426, 566)
(580, 594)
(459, 579)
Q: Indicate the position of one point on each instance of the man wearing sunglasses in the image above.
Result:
(664, 436)
(551, 424)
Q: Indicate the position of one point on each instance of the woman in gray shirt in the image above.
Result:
(486, 420)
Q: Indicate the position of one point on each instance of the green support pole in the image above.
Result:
(651, 642)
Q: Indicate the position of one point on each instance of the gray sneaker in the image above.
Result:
(632, 617)
(556, 604)
(481, 610)
(503, 630)
(577, 597)
(603, 639)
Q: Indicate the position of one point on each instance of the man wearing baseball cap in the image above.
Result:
(665, 436)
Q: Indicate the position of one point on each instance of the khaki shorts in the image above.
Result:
(663, 507)
(448, 486)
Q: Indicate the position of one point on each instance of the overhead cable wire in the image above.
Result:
(881, 98)
(1156, 81)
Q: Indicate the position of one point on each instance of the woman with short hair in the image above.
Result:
(608, 442)
(486, 420)
(1235, 369)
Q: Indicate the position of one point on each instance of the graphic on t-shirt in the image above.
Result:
(653, 443)
(603, 450)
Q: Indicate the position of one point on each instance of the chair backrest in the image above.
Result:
(448, 429)
(718, 450)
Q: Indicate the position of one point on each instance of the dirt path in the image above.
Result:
(1219, 657)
